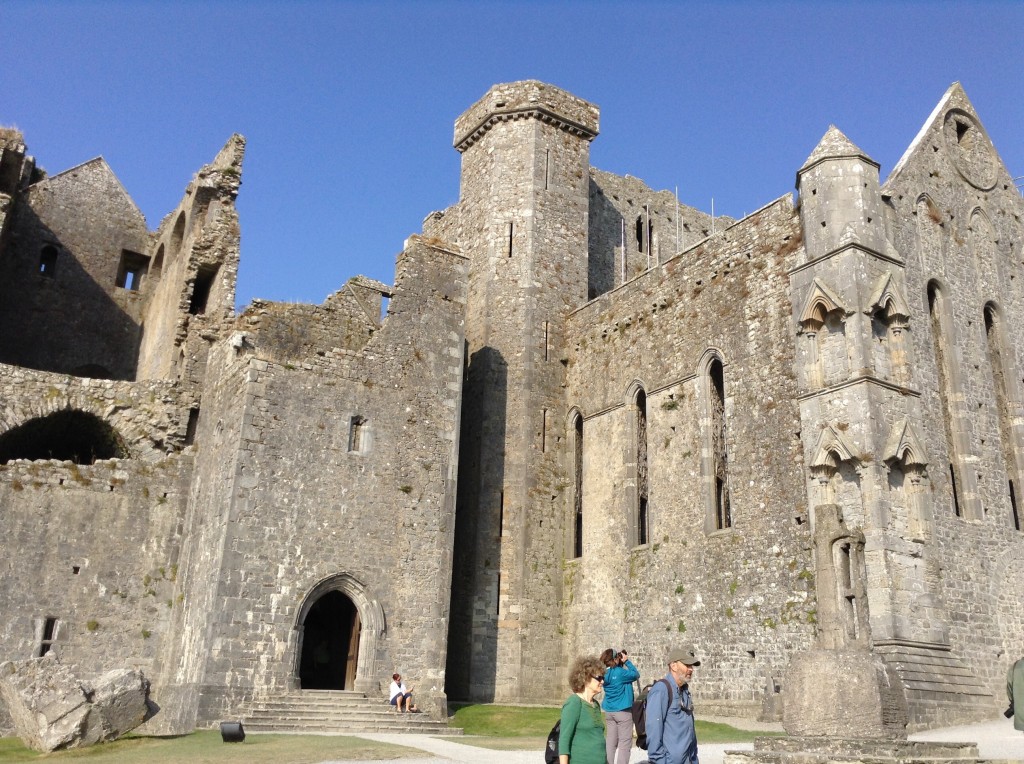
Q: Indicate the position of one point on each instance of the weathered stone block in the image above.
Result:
(51, 709)
(843, 694)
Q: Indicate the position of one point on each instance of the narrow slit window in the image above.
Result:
(193, 425)
(48, 261)
(511, 231)
(642, 490)
(49, 636)
(1013, 507)
(543, 431)
(356, 434)
(577, 535)
(501, 513)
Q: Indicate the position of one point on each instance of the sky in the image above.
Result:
(348, 107)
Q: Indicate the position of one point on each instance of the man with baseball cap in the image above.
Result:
(671, 738)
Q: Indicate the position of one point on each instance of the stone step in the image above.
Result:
(336, 712)
(286, 725)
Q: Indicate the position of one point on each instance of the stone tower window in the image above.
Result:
(577, 495)
(644, 231)
(205, 278)
(48, 261)
(49, 636)
(357, 434)
(131, 270)
(642, 477)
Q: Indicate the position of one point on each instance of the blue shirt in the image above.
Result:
(618, 687)
(671, 737)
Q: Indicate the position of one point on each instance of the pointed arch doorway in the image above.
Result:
(330, 644)
(338, 628)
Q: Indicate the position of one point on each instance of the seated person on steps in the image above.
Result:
(401, 696)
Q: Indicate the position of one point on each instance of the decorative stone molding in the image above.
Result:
(904, 445)
(371, 619)
(888, 298)
(831, 450)
(821, 301)
(537, 112)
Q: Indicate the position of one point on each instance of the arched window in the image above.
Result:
(963, 482)
(1002, 384)
(577, 495)
(69, 435)
(642, 482)
(178, 234)
(719, 451)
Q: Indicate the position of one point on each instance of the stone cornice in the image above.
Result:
(841, 249)
(857, 381)
(540, 113)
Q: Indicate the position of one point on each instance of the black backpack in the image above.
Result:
(640, 713)
(551, 749)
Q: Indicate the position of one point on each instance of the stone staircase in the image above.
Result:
(336, 712)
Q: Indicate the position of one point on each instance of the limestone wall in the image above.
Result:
(956, 219)
(744, 595)
(651, 224)
(93, 547)
(72, 318)
(297, 506)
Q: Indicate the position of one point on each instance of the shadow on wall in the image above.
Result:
(473, 625)
(56, 316)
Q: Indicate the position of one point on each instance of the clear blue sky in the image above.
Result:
(348, 106)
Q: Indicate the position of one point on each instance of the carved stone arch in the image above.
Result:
(888, 298)
(932, 208)
(373, 627)
(632, 389)
(831, 449)
(708, 357)
(979, 214)
(904, 445)
(821, 301)
(177, 234)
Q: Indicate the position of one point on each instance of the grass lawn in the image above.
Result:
(519, 728)
(206, 746)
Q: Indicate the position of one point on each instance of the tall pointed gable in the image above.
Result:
(954, 130)
(834, 145)
(99, 171)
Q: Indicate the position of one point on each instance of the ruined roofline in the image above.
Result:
(103, 162)
(655, 191)
(788, 196)
(527, 99)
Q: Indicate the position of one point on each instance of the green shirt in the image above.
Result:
(581, 734)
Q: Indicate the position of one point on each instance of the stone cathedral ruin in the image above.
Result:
(583, 415)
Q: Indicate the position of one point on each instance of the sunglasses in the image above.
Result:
(598, 678)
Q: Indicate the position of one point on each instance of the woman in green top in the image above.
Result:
(581, 733)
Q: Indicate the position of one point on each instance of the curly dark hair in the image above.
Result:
(582, 669)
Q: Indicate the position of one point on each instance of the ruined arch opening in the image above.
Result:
(68, 435)
(177, 235)
(330, 644)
